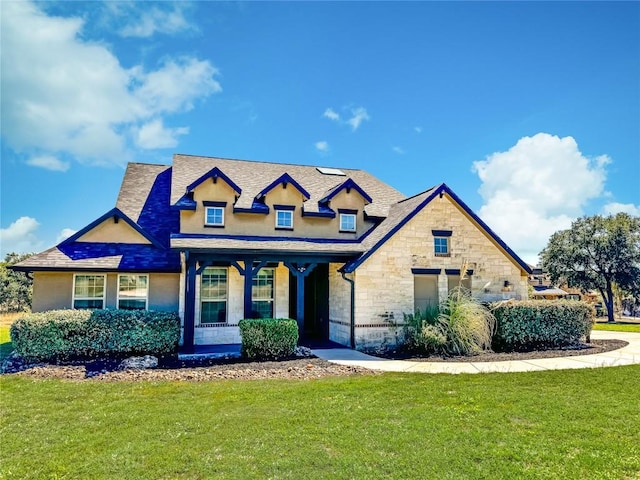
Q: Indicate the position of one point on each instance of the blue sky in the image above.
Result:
(530, 112)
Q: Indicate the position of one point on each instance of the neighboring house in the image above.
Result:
(542, 287)
(218, 240)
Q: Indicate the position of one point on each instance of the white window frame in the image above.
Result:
(271, 299)
(226, 297)
(343, 216)
(73, 290)
(290, 214)
(146, 298)
(206, 216)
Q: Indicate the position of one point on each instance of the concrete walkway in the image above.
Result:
(625, 356)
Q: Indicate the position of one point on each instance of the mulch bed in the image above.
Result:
(105, 370)
(596, 346)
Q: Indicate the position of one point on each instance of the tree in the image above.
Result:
(16, 288)
(597, 253)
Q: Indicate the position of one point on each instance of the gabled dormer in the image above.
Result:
(212, 186)
(348, 199)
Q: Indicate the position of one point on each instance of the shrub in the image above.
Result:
(65, 334)
(541, 324)
(466, 323)
(264, 338)
(421, 335)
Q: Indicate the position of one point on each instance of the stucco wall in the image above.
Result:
(110, 231)
(54, 290)
(192, 221)
(385, 282)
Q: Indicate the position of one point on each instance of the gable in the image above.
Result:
(112, 227)
(405, 211)
(112, 230)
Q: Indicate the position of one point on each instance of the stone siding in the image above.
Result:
(385, 282)
(339, 306)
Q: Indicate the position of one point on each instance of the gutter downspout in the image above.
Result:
(352, 325)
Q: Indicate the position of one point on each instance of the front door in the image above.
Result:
(316, 303)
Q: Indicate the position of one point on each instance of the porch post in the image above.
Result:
(300, 271)
(247, 272)
(189, 306)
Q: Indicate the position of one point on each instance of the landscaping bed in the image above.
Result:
(190, 370)
(596, 346)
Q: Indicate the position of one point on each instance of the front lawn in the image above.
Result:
(618, 327)
(556, 424)
(5, 342)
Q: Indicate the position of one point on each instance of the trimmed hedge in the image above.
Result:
(268, 338)
(541, 324)
(66, 334)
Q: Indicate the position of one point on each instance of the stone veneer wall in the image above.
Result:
(230, 332)
(385, 282)
(339, 306)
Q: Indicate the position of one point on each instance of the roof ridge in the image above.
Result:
(421, 193)
(149, 164)
(264, 161)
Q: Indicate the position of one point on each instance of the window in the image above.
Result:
(88, 291)
(214, 216)
(441, 246)
(262, 292)
(347, 222)
(132, 292)
(213, 295)
(284, 219)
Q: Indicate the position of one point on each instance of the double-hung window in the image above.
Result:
(133, 292)
(347, 222)
(284, 217)
(214, 214)
(262, 293)
(213, 295)
(89, 291)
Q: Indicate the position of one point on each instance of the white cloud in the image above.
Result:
(20, 237)
(398, 150)
(417, 129)
(331, 115)
(614, 207)
(64, 234)
(63, 94)
(359, 115)
(149, 21)
(322, 146)
(537, 187)
(49, 162)
(155, 135)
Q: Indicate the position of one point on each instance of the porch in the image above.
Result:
(221, 289)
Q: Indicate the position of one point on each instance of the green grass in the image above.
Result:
(543, 425)
(618, 327)
(5, 342)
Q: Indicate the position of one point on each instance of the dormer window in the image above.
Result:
(347, 220)
(284, 216)
(214, 214)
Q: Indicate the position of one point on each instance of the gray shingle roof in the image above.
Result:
(253, 176)
(135, 188)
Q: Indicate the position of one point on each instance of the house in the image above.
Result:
(218, 240)
(542, 288)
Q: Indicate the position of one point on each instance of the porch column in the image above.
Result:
(189, 306)
(248, 272)
(300, 271)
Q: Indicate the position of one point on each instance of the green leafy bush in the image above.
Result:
(264, 338)
(65, 334)
(541, 324)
